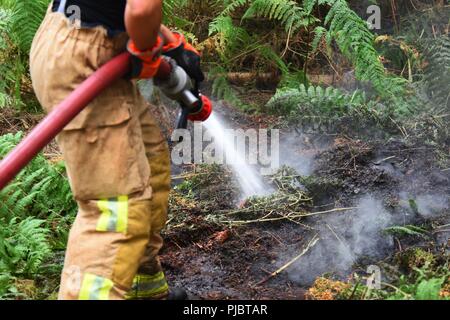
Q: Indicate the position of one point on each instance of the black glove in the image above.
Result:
(186, 57)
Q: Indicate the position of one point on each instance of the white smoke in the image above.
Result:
(349, 237)
(430, 205)
(299, 151)
(345, 238)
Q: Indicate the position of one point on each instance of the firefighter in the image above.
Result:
(116, 157)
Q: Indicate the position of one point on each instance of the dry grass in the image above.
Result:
(327, 289)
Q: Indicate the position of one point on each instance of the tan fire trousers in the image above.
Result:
(117, 162)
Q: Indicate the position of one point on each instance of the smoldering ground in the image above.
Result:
(407, 190)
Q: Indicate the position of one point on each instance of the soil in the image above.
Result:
(382, 167)
(12, 121)
(212, 269)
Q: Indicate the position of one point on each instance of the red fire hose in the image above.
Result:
(62, 114)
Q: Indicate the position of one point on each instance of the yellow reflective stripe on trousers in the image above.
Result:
(95, 288)
(114, 214)
(145, 286)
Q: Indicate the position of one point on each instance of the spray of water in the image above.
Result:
(248, 177)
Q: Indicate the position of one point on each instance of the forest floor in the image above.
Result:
(395, 198)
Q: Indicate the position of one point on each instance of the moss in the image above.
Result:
(327, 289)
(26, 288)
(445, 291)
(415, 258)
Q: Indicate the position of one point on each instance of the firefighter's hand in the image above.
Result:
(185, 55)
(144, 64)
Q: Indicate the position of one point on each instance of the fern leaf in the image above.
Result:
(291, 16)
(26, 19)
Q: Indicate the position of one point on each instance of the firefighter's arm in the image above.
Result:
(143, 21)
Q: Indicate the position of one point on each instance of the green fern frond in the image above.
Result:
(329, 101)
(25, 21)
(42, 191)
(409, 230)
(287, 12)
(231, 6)
(19, 21)
(23, 245)
(229, 37)
(270, 55)
(221, 89)
(170, 16)
(5, 19)
(39, 189)
(319, 33)
(437, 72)
(356, 42)
(170, 6)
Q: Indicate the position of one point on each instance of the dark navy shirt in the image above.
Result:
(108, 13)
